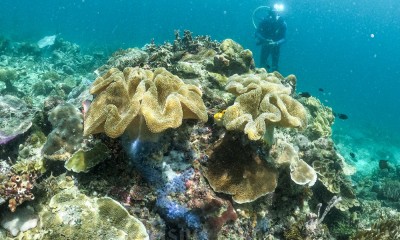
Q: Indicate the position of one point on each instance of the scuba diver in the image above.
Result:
(270, 34)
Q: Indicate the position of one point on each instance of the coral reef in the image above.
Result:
(206, 179)
(263, 103)
(321, 118)
(19, 221)
(18, 189)
(332, 173)
(8, 76)
(300, 172)
(233, 59)
(67, 135)
(15, 118)
(382, 230)
(73, 215)
(125, 99)
(84, 160)
(233, 168)
(124, 58)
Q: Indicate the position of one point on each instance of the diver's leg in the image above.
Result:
(265, 51)
(275, 58)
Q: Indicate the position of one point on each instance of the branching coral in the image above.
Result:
(263, 103)
(384, 230)
(126, 99)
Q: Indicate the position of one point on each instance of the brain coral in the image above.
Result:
(235, 169)
(126, 99)
(263, 103)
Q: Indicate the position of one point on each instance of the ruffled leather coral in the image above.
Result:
(235, 169)
(263, 103)
(124, 100)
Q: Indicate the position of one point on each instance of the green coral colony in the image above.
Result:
(188, 137)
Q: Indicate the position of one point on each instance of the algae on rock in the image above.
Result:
(73, 215)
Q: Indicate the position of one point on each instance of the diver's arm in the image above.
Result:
(259, 34)
(282, 34)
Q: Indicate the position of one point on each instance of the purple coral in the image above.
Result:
(174, 211)
(15, 118)
(4, 138)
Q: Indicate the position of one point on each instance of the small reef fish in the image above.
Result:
(320, 89)
(305, 94)
(352, 155)
(218, 117)
(384, 164)
(341, 116)
(85, 107)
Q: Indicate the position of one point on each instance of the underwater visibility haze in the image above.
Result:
(156, 120)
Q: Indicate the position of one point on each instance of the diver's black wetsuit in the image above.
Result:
(271, 34)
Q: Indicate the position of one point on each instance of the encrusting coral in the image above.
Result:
(235, 169)
(66, 137)
(322, 118)
(124, 99)
(15, 117)
(73, 215)
(263, 103)
(300, 172)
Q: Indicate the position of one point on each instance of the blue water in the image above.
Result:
(348, 48)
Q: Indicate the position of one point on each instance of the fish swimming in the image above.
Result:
(342, 116)
(305, 94)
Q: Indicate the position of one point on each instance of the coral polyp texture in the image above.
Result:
(235, 169)
(73, 215)
(124, 100)
(66, 137)
(300, 172)
(262, 103)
